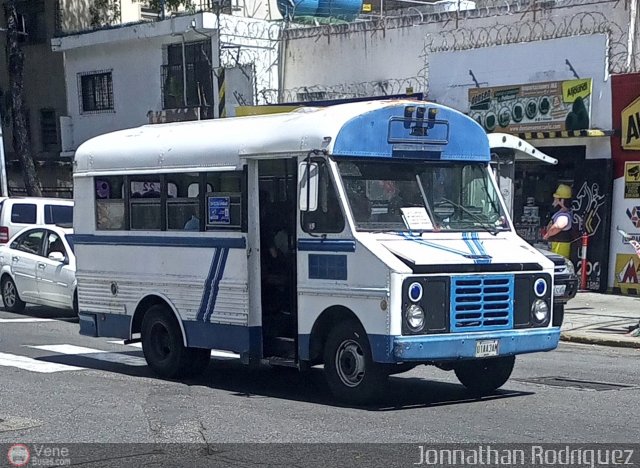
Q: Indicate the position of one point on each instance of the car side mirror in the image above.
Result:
(57, 257)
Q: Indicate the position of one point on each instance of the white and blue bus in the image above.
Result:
(369, 237)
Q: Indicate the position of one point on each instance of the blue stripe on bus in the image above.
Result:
(325, 245)
(206, 296)
(215, 286)
(161, 241)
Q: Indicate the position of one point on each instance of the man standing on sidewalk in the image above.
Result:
(559, 231)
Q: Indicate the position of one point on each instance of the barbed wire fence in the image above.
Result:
(518, 21)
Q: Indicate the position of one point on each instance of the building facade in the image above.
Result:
(496, 62)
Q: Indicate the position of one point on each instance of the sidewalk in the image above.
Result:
(602, 319)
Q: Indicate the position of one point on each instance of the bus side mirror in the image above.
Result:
(308, 186)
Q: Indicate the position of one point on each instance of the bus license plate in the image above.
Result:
(486, 348)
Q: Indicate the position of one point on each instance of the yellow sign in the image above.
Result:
(631, 126)
(243, 111)
(366, 7)
(573, 89)
(627, 272)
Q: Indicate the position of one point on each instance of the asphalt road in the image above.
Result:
(52, 390)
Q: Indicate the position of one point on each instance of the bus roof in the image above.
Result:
(380, 129)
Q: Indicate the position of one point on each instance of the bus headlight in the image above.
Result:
(540, 311)
(414, 317)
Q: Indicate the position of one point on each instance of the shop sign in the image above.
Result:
(632, 179)
(631, 126)
(552, 106)
(627, 272)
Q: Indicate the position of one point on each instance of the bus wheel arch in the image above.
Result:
(328, 319)
(145, 304)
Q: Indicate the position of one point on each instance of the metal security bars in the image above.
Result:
(95, 92)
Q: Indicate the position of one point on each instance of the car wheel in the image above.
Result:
(483, 376)
(164, 350)
(352, 375)
(10, 296)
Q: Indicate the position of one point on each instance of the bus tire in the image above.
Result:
(163, 347)
(352, 375)
(483, 376)
(10, 296)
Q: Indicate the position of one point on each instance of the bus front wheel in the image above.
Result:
(483, 376)
(164, 350)
(352, 375)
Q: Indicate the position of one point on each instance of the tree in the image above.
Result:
(21, 143)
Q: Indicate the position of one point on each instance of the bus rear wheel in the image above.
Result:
(164, 350)
(483, 376)
(352, 375)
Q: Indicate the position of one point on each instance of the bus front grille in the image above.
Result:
(482, 303)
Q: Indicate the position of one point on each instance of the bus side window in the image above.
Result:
(328, 217)
(183, 202)
(109, 203)
(144, 203)
(223, 200)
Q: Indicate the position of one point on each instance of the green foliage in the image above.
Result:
(104, 12)
(169, 4)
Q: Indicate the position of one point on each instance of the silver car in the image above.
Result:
(38, 266)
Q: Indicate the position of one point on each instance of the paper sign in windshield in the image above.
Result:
(416, 218)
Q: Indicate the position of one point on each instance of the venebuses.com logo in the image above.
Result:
(18, 455)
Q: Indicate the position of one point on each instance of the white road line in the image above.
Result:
(214, 353)
(121, 342)
(67, 349)
(72, 350)
(25, 363)
(25, 320)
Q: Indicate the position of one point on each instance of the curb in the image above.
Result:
(587, 338)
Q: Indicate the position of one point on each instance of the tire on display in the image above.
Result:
(352, 375)
(10, 296)
(483, 376)
(163, 347)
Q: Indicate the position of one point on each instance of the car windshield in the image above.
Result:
(424, 196)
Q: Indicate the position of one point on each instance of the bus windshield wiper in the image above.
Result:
(486, 225)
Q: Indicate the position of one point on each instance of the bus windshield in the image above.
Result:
(425, 196)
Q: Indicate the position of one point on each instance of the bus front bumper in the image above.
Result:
(429, 348)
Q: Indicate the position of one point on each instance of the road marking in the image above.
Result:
(30, 364)
(81, 351)
(25, 320)
(214, 352)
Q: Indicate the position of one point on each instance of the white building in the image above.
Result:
(166, 70)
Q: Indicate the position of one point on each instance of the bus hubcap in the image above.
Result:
(350, 363)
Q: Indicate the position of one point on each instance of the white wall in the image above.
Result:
(531, 62)
(136, 85)
(134, 55)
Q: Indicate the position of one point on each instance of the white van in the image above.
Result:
(17, 213)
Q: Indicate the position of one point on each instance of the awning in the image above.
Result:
(590, 133)
(523, 150)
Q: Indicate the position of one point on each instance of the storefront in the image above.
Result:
(555, 117)
(625, 149)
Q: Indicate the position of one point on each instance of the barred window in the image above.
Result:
(96, 92)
